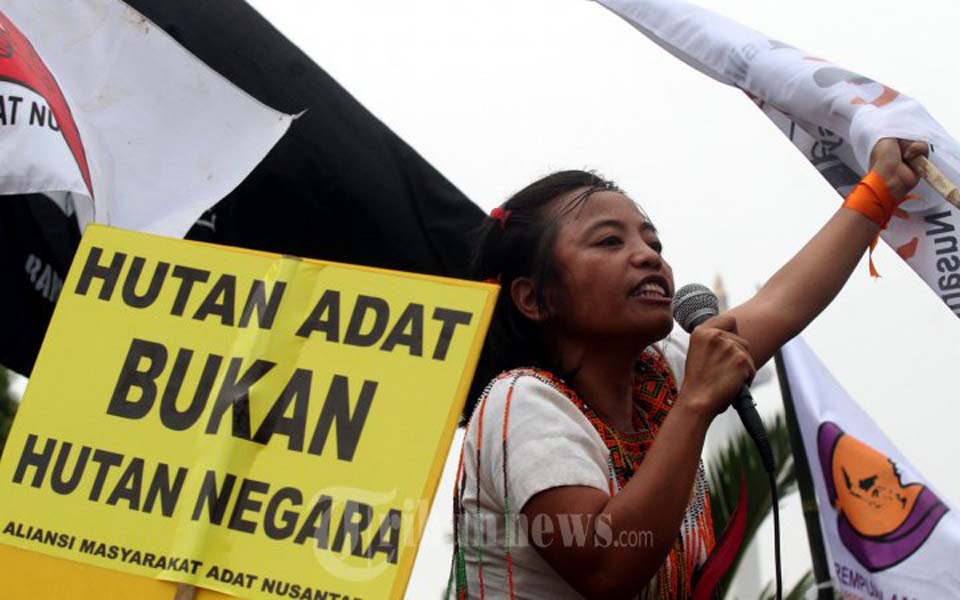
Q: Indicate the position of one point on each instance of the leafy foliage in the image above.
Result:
(798, 592)
(8, 406)
(724, 479)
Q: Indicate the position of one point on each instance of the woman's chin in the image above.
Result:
(664, 327)
(652, 328)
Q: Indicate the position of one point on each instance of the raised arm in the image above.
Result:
(803, 287)
(719, 361)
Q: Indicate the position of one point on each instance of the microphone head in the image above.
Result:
(693, 304)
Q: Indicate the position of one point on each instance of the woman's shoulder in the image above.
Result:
(531, 402)
(527, 388)
(530, 379)
(525, 418)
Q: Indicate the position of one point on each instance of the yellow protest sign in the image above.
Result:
(38, 576)
(264, 426)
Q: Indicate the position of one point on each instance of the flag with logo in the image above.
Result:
(832, 115)
(887, 532)
(105, 110)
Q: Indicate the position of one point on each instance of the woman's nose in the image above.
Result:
(642, 254)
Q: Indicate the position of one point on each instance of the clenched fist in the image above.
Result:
(718, 365)
(889, 160)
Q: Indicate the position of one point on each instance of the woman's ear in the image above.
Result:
(523, 291)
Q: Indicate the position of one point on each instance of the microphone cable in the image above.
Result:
(692, 305)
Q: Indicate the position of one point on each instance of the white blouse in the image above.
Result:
(550, 444)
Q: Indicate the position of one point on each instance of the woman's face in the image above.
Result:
(614, 283)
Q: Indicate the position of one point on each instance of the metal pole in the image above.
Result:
(185, 592)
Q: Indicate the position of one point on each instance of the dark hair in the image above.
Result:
(520, 244)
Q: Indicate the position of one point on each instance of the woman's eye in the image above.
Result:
(657, 247)
(610, 240)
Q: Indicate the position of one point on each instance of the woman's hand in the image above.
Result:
(889, 159)
(718, 365)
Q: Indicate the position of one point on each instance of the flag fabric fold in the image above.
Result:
(832, 115)
(341, 185)
(887, 532)
(97, 101)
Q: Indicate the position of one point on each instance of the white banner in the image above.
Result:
(832, 115)
(97, 101)
(888, 534)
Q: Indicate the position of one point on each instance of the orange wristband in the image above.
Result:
(872, 199)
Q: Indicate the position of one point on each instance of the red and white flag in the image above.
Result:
(103, 110)
(832, 115)
(887, 532)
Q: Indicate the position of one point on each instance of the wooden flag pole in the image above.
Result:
(937, 180)
(185, 592)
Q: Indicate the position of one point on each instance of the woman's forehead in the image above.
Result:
(582, 208)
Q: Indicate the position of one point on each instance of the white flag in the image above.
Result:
(887, 533)
(832, 115)
(101, 107)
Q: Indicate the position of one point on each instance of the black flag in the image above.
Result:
(338, 186)
(37, 242)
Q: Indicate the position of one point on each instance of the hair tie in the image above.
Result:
(501, 215)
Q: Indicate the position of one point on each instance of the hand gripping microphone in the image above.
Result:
(692, 305)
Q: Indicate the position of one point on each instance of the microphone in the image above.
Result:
(692, 305)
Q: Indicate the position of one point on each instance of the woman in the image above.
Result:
(580, 473)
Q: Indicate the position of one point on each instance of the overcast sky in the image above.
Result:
(497, 93)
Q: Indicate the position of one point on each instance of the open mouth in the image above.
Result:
(651, 289)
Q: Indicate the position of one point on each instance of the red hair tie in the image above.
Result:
(501, 215)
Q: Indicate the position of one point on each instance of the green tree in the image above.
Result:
(8, 406)
(740, 455)
(797, 592)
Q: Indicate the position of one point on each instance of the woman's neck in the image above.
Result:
(604, 380)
